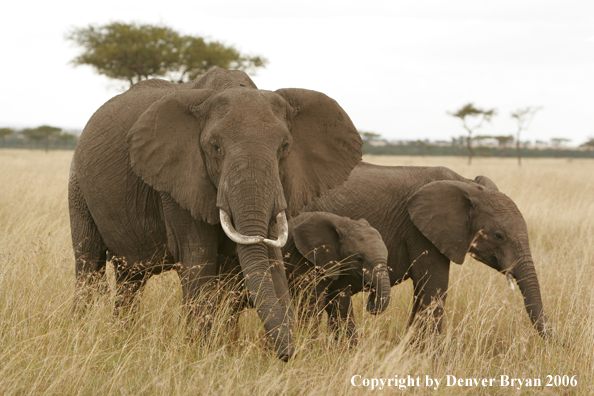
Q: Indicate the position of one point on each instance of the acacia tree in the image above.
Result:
(503, 141)
(468, 112)
(589, 145)
(44, 132)
(5, 132)
(480, 139)
(196, 57)
(369, 136)
(134, 52)
(524, 118)
(558, 143)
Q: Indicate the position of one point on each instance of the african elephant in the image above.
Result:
(169, 175)
(343, 254)
(429, 216)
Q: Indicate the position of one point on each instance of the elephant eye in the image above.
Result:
(216, 147)
(498, 235)
(285, 146)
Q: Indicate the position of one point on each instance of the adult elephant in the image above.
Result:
(336, 255)
(176, 173)
(429, 216)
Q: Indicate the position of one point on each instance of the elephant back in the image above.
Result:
(219, 79)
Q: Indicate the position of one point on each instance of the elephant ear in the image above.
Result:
(441, 211)
(318, 241)
(326, 147)
(164, 147)
(485, 181)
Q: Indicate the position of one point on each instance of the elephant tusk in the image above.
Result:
(283, 230)
(232, 233)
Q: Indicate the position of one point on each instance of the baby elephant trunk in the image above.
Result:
(525, 275)
(379, 298)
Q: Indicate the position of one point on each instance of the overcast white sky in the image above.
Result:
(396, 67)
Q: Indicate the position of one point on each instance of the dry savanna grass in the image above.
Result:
(46, 350)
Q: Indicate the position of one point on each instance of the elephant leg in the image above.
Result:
(314, 302)
(129, 280)
(89, 249)
(193, 244)
(341, 315)
(309, 308)
(231, 287)
(201, 293)
(430, 277)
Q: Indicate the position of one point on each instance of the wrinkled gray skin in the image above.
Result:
(429, 216)
(155, 164)
(337, 255)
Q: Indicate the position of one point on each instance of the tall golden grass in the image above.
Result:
(45, 350)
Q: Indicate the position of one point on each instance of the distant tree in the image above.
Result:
(503, 141)
(197, 57)
(468, 112)
(44, 132)
(589, 145)
(66, 137)
(459, 143)
(134, 52)
(5, 132)
(369, 136)
(558, 143)
(524, 118)
(480, 139)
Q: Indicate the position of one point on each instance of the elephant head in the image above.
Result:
(474, 217)
(329, 241)
(228, 152)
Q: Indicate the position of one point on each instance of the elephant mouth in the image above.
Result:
(487, 259)
(235, 236)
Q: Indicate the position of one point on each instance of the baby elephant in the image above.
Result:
(338, 257)
(431, 216)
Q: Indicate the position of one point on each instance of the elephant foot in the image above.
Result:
(81, 303)
(87, 291)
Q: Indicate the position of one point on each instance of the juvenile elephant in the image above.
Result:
(343, 255)
(177, 173)
(429, 216)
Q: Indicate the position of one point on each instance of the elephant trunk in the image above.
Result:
(379, 298)
(525, 275)
(256, 268)
(258, 278)
(252, 204)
